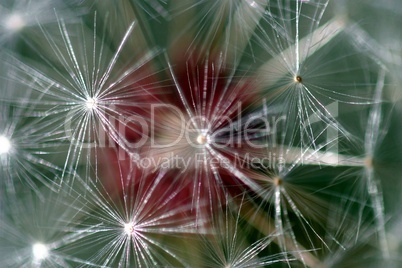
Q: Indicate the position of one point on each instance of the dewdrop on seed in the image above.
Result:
(5, 145)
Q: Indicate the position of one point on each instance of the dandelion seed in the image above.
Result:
(23, 147)
(367, 191)
(373, 136)
(130, 223)
(289, 186)
(219, 26)
(18, 17)
(38, 230)
(198, 133)
(301, 77)
(228, 246)
(348, 236)
(90, 92)
(381, 45)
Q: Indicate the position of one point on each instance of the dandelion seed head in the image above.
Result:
(5, 145)
(14, 22)
(40, 251)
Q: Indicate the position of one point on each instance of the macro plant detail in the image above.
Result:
(212, 133)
